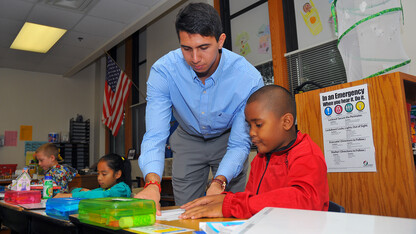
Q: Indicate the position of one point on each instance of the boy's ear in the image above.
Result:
(118, 174)
(288, 121)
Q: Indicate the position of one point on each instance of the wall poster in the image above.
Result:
(347, 130)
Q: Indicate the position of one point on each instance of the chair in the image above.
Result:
(334, 207)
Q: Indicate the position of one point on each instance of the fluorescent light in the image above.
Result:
(37, 38)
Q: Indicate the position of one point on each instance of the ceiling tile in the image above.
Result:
(69, 51)
(99, 27)
(86, 41)
(8, 31)
(51, 16)
(148, 3)
(120, 11)
(14, 9)
(27, 60)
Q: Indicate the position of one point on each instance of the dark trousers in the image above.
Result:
(193, 158)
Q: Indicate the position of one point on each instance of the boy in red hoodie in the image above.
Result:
(289, 170)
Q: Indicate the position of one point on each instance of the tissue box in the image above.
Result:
(61, 208)
(22, 197)
(117, 212)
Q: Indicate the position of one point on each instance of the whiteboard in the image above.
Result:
(250, 34)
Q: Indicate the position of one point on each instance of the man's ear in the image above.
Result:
(221, 40)
(288, 121)
(118, 174)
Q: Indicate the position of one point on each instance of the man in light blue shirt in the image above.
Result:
(206, 88)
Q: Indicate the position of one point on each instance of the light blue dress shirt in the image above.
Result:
(201, 110)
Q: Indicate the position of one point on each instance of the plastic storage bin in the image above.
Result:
(61, 208)
(117, 212)
(22, 197)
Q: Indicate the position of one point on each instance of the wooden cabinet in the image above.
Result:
(391, 191)
(84, 181)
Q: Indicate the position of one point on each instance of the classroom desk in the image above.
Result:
(41, 223)
(84, 228)
(20, 220)
(291, 221)
(13, 217)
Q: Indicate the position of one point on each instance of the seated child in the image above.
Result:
(289, 170)
(48, 156)
(111, 178)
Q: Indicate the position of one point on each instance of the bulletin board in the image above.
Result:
(250, 35)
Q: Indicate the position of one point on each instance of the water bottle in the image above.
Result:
(47, 187)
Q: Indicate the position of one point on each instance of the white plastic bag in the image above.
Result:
(369, 37)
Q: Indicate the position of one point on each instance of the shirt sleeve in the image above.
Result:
(118, 190)
(305, 190)
(158, 115)
(238, 143)
(75, 190)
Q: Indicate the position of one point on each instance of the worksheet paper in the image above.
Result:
(169, 215)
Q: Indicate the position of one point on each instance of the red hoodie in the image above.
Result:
(291, 177)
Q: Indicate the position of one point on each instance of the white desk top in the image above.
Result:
(291, 221)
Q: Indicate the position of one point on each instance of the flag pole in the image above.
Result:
(140, 92)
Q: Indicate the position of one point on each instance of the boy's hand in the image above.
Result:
(207, 200)
(211, 210)
(151, 192)
(84, 190)
(60, 195)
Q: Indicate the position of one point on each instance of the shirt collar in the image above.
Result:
(284, 149)
(218, 72)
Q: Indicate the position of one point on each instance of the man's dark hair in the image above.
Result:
(276, 99)
(199, 18)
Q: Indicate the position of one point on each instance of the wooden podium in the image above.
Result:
(391, 191)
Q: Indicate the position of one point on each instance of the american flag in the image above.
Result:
(117, 87)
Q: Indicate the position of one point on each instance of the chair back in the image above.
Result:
(334, 207)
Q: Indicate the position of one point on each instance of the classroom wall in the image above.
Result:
(47, 102)
(161, 34)
(408, 32)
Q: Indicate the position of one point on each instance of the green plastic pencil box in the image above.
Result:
(117, 212)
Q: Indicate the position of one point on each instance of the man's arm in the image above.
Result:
(238, 148)
(151, 191)
(158, 115)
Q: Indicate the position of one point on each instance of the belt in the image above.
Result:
(207, 139)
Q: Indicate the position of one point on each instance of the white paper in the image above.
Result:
(169, 215)
(347, 130)
(225, 227)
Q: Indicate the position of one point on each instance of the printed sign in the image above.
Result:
(347, 130)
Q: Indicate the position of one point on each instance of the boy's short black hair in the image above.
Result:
(276, 99)
(199, 18)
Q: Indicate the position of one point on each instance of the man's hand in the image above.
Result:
(209, 206)
(216, 188)
(151, 192)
